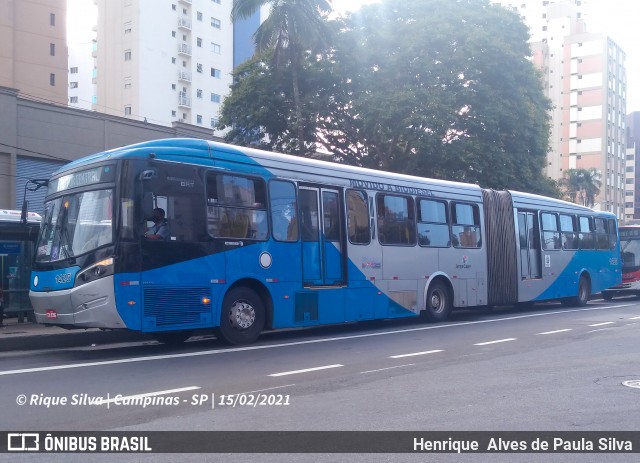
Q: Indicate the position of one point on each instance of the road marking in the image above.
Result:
(267, 389)
(300, 343)
(634, 318)
(556, 331)
(120, 398)
(414, 354)
(602, 324)
(306, 370)
(593, 331)
(388, 368)
(495, 342)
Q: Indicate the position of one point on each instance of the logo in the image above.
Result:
(370, 263)
(464, 264)
(23, 442)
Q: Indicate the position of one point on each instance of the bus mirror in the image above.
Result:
(147, 174)
(23, 213)
(147, 205)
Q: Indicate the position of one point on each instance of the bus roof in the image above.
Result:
(8, 215)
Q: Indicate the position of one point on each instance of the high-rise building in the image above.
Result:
(585, 79)
(164, 61)
(33, 49)
(632, 192)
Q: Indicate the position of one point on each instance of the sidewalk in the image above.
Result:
(30, 336)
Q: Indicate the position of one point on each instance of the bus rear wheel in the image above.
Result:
(584, 291)
(242, 318)
(439, 302)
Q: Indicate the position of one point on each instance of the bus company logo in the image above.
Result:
(464, 263)
(23, 442)
(184, 182)
(370, 263)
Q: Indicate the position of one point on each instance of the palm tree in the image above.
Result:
(581, 185)
(293, 28)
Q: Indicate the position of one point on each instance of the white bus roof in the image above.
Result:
(8, 215)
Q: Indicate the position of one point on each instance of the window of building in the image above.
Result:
(199, 93)
(52, 79)
(199, 119)
(215, 23)
(199, 42)
(173, 7)
(173, 33)
(73, 84)
(216, 73)
(127, 110)
(52, 19)
(73, 99)
(199, 68)
(52, 49)
(173, 114)
(199, 16)
(173, 86)
(73, 70)
(215, 98)
(216, 1)
(215, 48)
(396, 220)
(173, 60)
(127, 55)
(433, 224)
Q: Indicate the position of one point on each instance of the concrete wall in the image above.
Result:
(40, 130)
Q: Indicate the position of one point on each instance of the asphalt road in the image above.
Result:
(548, 368)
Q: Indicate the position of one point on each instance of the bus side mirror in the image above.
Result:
(147, 205)
(23, 212)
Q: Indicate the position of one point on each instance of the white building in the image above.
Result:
(164, 60)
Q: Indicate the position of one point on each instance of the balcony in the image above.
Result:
(184, 49)
(184, 100)
(184, 75)
(184, 23)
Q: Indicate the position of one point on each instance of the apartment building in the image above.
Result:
(33, 49)
(632, 191)
(163, 61)
(584, 76)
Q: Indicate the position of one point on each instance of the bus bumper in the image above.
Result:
(91, 305)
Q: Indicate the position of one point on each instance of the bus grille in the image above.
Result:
(176, 306)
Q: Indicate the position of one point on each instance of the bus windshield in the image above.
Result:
(75, 224)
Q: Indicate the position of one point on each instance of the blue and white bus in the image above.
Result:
(260, 241)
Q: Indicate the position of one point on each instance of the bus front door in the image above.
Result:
(322, 246)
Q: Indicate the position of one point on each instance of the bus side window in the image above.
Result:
(586, 233)
(567, 229)
(433, 226)
(284, 217)
(602, 235)
(465, 228)
(550, 231)
(613, 234)
(358, 217)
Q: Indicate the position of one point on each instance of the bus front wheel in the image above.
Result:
(439, 302)
(242, 318)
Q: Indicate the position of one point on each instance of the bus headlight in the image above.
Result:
(96, 271)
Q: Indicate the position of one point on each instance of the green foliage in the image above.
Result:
(437, 88)
(581, 186)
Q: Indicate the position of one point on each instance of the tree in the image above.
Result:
(292, 29)
(581, 186)
(439, 88)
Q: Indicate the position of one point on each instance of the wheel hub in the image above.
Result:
(242, 315)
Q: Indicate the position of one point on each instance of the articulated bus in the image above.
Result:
(260, 241)
(630, 253)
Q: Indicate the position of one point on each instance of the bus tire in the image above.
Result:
(584, 291)
(242, 318)
(172, 338)
(439, 303)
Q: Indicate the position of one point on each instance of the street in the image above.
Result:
(545, 368)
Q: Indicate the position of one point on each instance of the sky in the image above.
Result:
(616, 18)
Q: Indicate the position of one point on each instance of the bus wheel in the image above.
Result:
(172, 338)
(607, 295)
(584, 291)
(439, 302)
(242, 318)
